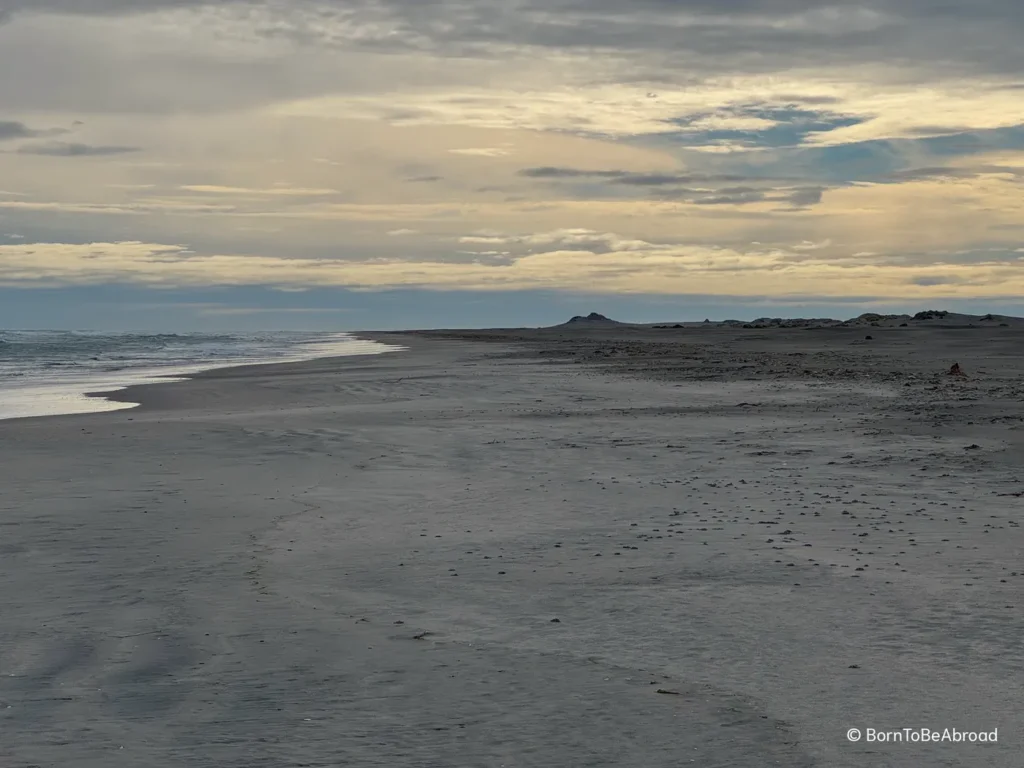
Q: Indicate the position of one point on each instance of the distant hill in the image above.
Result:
(934, 318)
(593, 319)
(938, 318)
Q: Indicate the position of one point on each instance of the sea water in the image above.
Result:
(45, 373)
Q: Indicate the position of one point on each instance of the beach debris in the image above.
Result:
(955, 370)
(668, 692)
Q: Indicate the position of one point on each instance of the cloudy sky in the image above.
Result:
(413, 163)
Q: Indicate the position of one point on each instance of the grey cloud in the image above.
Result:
(9, 8)
(739, 189)
(631, 179)
(760, 8)
(917, 174)
(939, 172)
(806, 196)
(644, 40)
(752, 34)
(739, 199)
(64, 149)
(554, 172)
(652, 179)
(808, 100)
(12, 130)
(926, 280)
(738, 35)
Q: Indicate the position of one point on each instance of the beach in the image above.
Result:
(577, 547)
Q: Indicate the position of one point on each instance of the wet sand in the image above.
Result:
(605, 547)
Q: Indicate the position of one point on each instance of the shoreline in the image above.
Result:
(147, 396)
(123, 394)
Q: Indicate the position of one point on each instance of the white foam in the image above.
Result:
(71, 395)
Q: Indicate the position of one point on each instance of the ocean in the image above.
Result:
(44, 373)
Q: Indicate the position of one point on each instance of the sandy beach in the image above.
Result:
(598, 547)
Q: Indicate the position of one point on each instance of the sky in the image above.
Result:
(347, 164)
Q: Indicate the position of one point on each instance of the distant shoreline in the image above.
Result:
(103, 392)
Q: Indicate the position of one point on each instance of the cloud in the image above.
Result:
(720, 113)
(272, 310)
(739, 198)
(953, 172)
(134, 209)
(14, 130)
(555, 172)
(630, 178)
(628, 141)
(65, 149)
(639, 267)
(807, 245)
(806, 196)
(737, 75)
(695, 188)
(563, 239)
(284, 191)
(939, 279)
(481, 151)
(752, 33)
